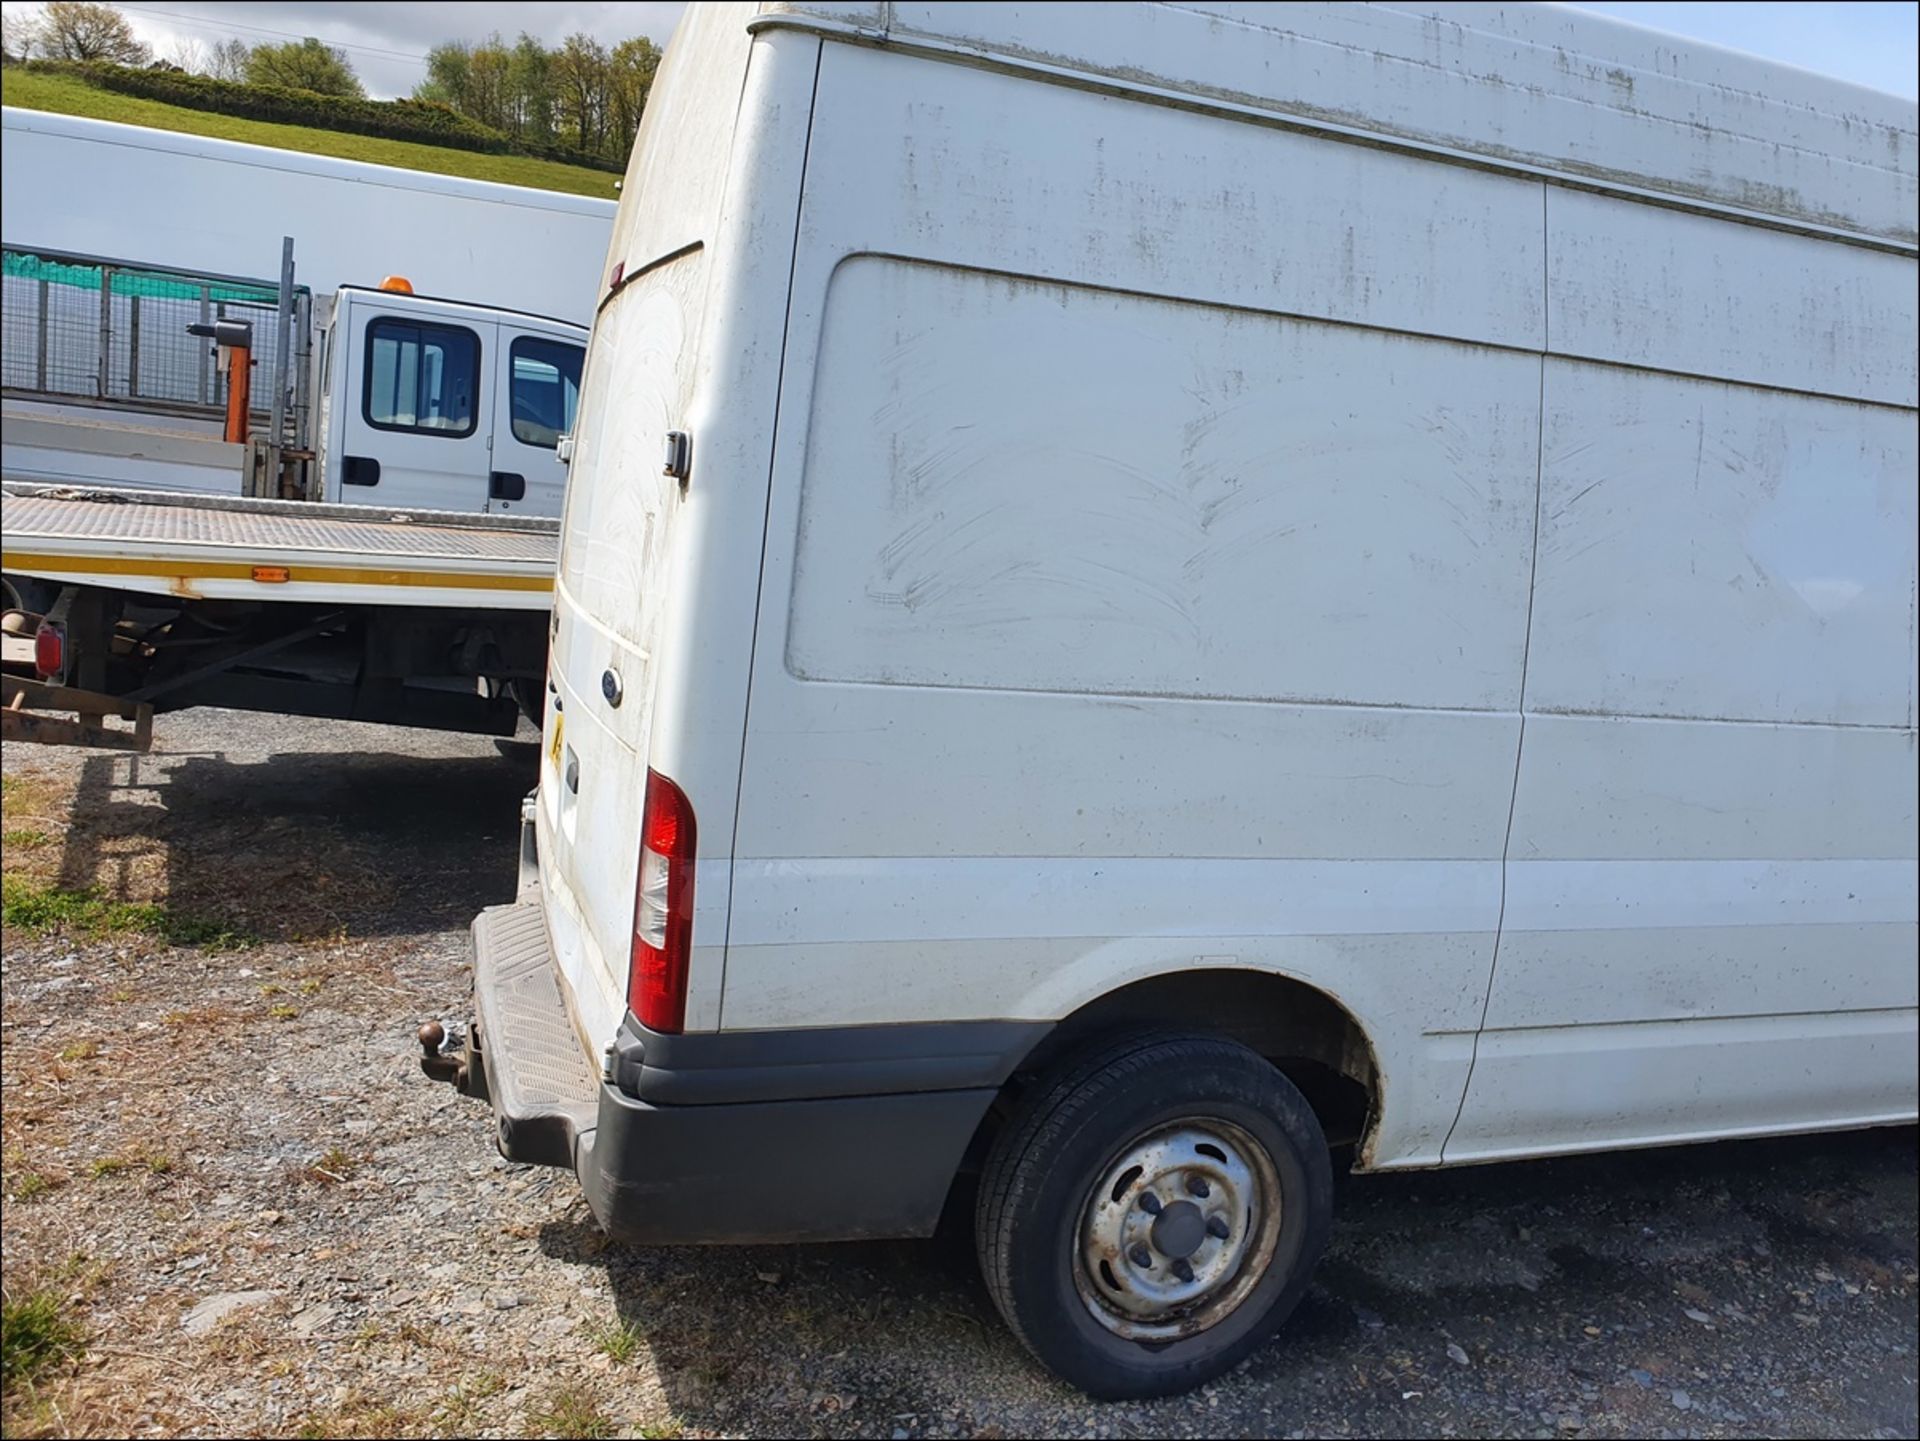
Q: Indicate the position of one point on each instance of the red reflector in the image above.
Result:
(49, 650)
(662, 909)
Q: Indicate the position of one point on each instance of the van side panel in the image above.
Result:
(1028, 486)
(1716, 552)
(1643, 286)
(1147, 585)
(1711, 897)
(1076, 663)
(1540, 84)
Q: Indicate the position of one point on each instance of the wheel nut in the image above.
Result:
(1197, 1186)
(1183, 1270)
(1217, 1228)
(1150, 1203)
(1141, 1257)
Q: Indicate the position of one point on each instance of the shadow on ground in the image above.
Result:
(1743, 1288)
(304, 844)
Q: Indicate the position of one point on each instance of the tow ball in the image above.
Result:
(444, 1058)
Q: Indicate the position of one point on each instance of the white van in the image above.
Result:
(1151, 591)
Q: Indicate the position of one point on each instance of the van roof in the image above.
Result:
(1539, 87)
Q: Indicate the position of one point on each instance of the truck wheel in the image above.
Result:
(1152, 1212)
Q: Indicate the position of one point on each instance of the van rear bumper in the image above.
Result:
(852, 1168)
(762, 1155)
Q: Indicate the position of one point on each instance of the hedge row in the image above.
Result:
(422, 121)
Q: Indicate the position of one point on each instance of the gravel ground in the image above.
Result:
(227, 1163)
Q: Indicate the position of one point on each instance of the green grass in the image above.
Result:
(571, 1417)
(35, 1333)
(37, 910)
(66, 95)
(460, 1407)
(26, 838)
(30, 1186)
(621, 1341)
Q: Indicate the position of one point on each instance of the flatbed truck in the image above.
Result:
(156, 602)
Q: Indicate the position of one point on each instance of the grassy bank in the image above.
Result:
(67, 96)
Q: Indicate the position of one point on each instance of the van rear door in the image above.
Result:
(611, 602)
(418, 407)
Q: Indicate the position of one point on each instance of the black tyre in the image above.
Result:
(1152, 1213)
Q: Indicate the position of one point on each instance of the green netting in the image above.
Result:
(23, 266)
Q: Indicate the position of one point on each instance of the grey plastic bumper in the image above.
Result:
(876, 1160)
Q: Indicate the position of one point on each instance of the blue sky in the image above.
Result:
(1870, 42)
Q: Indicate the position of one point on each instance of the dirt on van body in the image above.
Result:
(222, 1166)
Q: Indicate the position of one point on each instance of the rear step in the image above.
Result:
(523, 1053)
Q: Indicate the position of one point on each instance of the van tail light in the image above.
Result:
(50, 651)
(662, 909)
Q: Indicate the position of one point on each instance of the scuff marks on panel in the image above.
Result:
(1772, 532)
(1025, 484)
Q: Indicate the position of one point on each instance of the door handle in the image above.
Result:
(359, 470)
(506, 485)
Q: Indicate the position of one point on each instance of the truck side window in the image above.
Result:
(421, 378)
(546, 389)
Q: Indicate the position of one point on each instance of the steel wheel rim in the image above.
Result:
(1177, 1230)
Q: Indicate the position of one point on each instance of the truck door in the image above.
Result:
(417, 408)
(536, 390)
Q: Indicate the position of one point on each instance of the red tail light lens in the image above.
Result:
(49, 651)
(662, 909)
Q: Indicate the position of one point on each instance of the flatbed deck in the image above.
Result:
(235, 548)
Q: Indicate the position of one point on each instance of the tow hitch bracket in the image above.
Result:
(453, 1058)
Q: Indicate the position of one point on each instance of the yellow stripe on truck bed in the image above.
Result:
(244, 570)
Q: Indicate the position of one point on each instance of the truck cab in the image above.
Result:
(429, 404)
(423, 403)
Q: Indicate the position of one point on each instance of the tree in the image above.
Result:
(228, 60)
(630, 71)
(531, 78)
(186, 53)
(580, 89)
(582, 95)
(449, 75)
(304, 65)
(80, 30)
(489, 82)
(18, 34)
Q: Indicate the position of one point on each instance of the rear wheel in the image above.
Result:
(1152, 1213)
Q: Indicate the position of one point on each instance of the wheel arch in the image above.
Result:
(1310, 1035)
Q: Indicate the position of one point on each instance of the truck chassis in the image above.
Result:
(126, 605)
